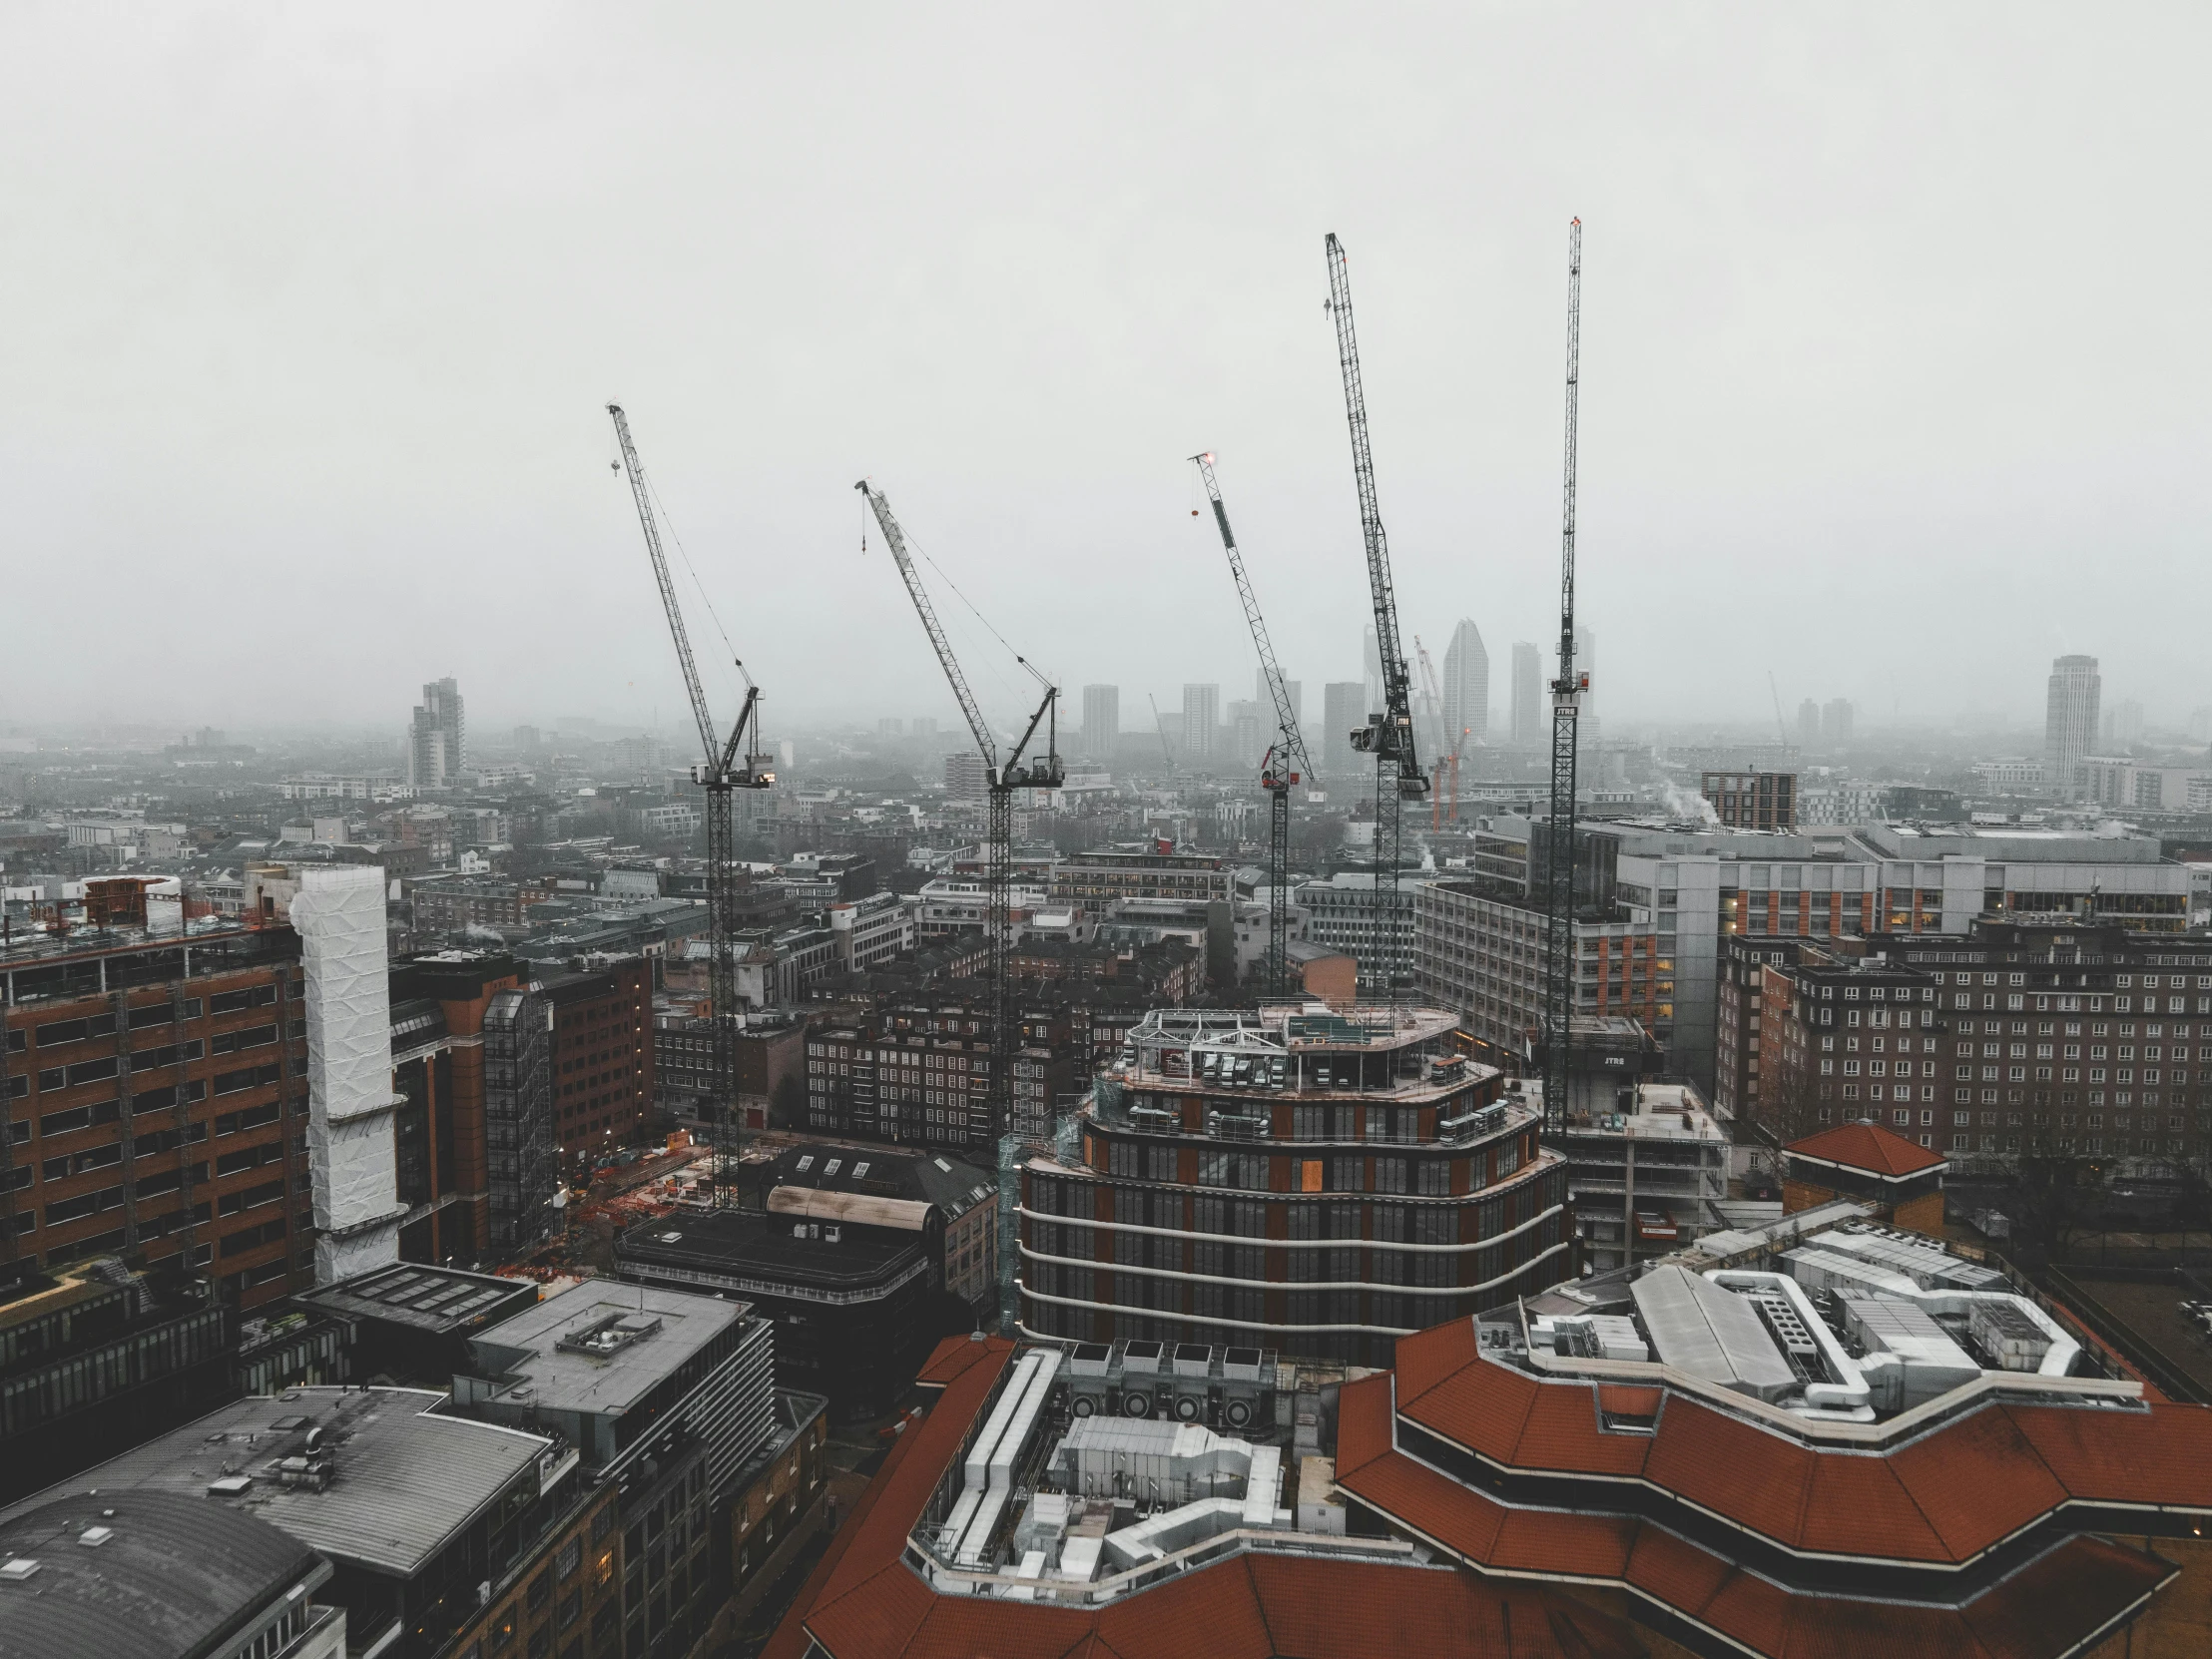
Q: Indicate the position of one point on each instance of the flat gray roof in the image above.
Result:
(405, 1481)
(610, 1383)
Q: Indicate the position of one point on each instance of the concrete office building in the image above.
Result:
(1348, 913)
(1101, 722)
(1201, 724)
(2070, 720)
(662, 1395)
(1467, 690)
(1480, 954)
(436, 751)
(1531, 705)
(1320, 1182)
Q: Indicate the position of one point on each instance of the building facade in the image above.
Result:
(1752, 800)
(966, 778)
(601, 1064)
(156, 1103)
(1481, 955)
(1351, 912)
(1098, 880)
(2002, 1041)
(920, 1074)
(1315, 1182)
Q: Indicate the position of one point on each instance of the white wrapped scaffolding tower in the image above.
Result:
(339, 916)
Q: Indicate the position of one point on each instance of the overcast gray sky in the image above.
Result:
(1896, 345)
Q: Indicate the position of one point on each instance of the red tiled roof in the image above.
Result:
(2071, 1593)
(1869, 1147)
(864, 1602)
(1943, 1497)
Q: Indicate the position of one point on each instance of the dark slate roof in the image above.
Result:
(925, 1177)
(425, 1298)
(174, 1574)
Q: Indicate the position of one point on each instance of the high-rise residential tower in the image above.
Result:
(1101, 721)
(1809, 724)
(1836, 722)
(434, 737)
(2070, 718)
(1200, 721)
(1467, 689)
(1528, 692)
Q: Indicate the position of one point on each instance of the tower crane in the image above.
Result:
(1389, 733)
(1566, 702)
(721, 774)
(1286, 759)
(1030, 1124)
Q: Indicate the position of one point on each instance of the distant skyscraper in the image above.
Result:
(1528, 692)
(1836, 722)
(2070, 718)
(434, 737)
(1101, 721)
(1809, 724)
(1467, 689)
(1266, 699)
(1344, 705)
(2128, 724)
(891, 726)
(1250, 728)
(1201, 721)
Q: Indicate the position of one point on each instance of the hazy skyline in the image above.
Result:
(1892, 354)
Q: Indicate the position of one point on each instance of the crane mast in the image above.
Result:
(1286, 759)
(1566, 706)
(1389, 734)
(719, 774)
(1021, 1122)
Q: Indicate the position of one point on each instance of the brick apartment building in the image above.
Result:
(156, 1102)
(1752, 800)
(2011, 1039)
(602, 1061)
(920, 1074)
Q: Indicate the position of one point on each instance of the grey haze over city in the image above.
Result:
(1893, 351)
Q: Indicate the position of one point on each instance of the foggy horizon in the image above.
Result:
(1889, 373)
